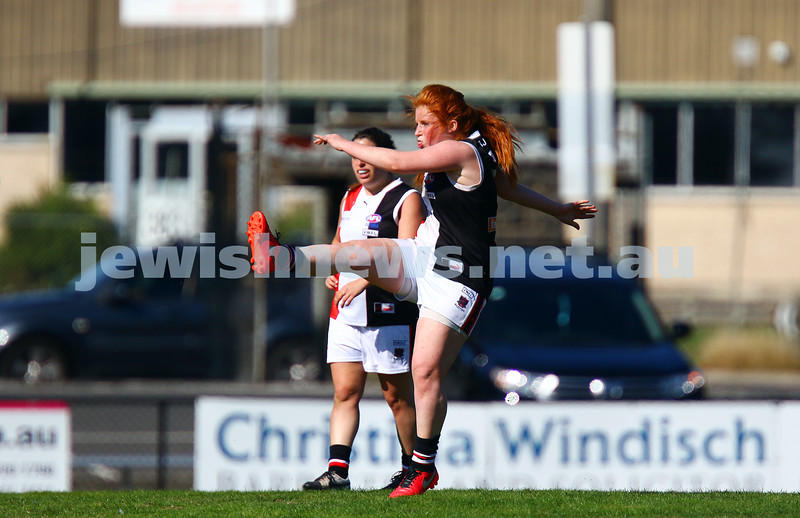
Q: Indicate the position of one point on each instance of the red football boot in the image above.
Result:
(416, 483)
(261, 241)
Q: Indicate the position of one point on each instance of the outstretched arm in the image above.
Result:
(520, 194)
(445, 156)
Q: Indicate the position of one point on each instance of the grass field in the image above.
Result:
(747, 347)
(376, 504)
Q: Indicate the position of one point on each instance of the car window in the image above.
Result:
(158, 287)
(648, 314)
(140, 286)
(568, 312)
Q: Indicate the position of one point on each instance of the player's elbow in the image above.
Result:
(396, 166)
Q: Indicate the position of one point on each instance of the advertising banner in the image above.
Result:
(277, 444)
(35, 446)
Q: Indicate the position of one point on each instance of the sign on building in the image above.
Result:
(208, 13)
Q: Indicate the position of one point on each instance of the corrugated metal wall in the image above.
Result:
(477, 40)
(389, 41)
(691, 40)
(354, 40)
(42, 41)
(330, 40)
(412, 40)
(143, 54)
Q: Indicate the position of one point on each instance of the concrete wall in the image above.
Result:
(744, 244)
(25, 169)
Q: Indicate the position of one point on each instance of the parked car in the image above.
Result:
(570, 338)
(156, 327)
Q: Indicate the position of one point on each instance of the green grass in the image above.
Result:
(693, 343)
(376, 504)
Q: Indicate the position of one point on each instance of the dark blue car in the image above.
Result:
(571, 338)
(166, 326)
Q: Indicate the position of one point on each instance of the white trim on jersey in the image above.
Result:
(468, 188)
(396, 211)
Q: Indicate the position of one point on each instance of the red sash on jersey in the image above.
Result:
(349, 201)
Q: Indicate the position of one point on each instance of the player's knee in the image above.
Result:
(426, 376)
(352, 256)
(347, 395)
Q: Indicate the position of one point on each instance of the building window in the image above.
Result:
(662, 122)
(772, 145)
(136, 156)
(173, 160)
(744, 143)
(713, 149)
(27, 117)
(84, 141)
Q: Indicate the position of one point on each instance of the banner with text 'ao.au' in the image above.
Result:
(277, 444)
(35, 446)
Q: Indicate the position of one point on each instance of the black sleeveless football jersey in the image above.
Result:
(466, 218)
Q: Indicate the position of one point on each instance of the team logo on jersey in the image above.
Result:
(429, 186)
(492, 224)
(399, 348)
(371, 228)
(462, 302)
(468, 293)
(454, 265)
(386, 308)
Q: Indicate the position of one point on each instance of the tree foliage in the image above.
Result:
(42, 245)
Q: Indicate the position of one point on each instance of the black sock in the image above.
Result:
(425, 453)
(285, 258)
(405, 461)
(339, 460)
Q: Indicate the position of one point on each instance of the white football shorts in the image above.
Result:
(384, 349)
(439, 298)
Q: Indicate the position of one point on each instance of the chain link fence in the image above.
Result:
(140, 443)
(139, 434)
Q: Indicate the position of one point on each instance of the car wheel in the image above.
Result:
(295, 359)
(34, 361)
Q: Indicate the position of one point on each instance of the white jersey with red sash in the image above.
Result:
(370, 216)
